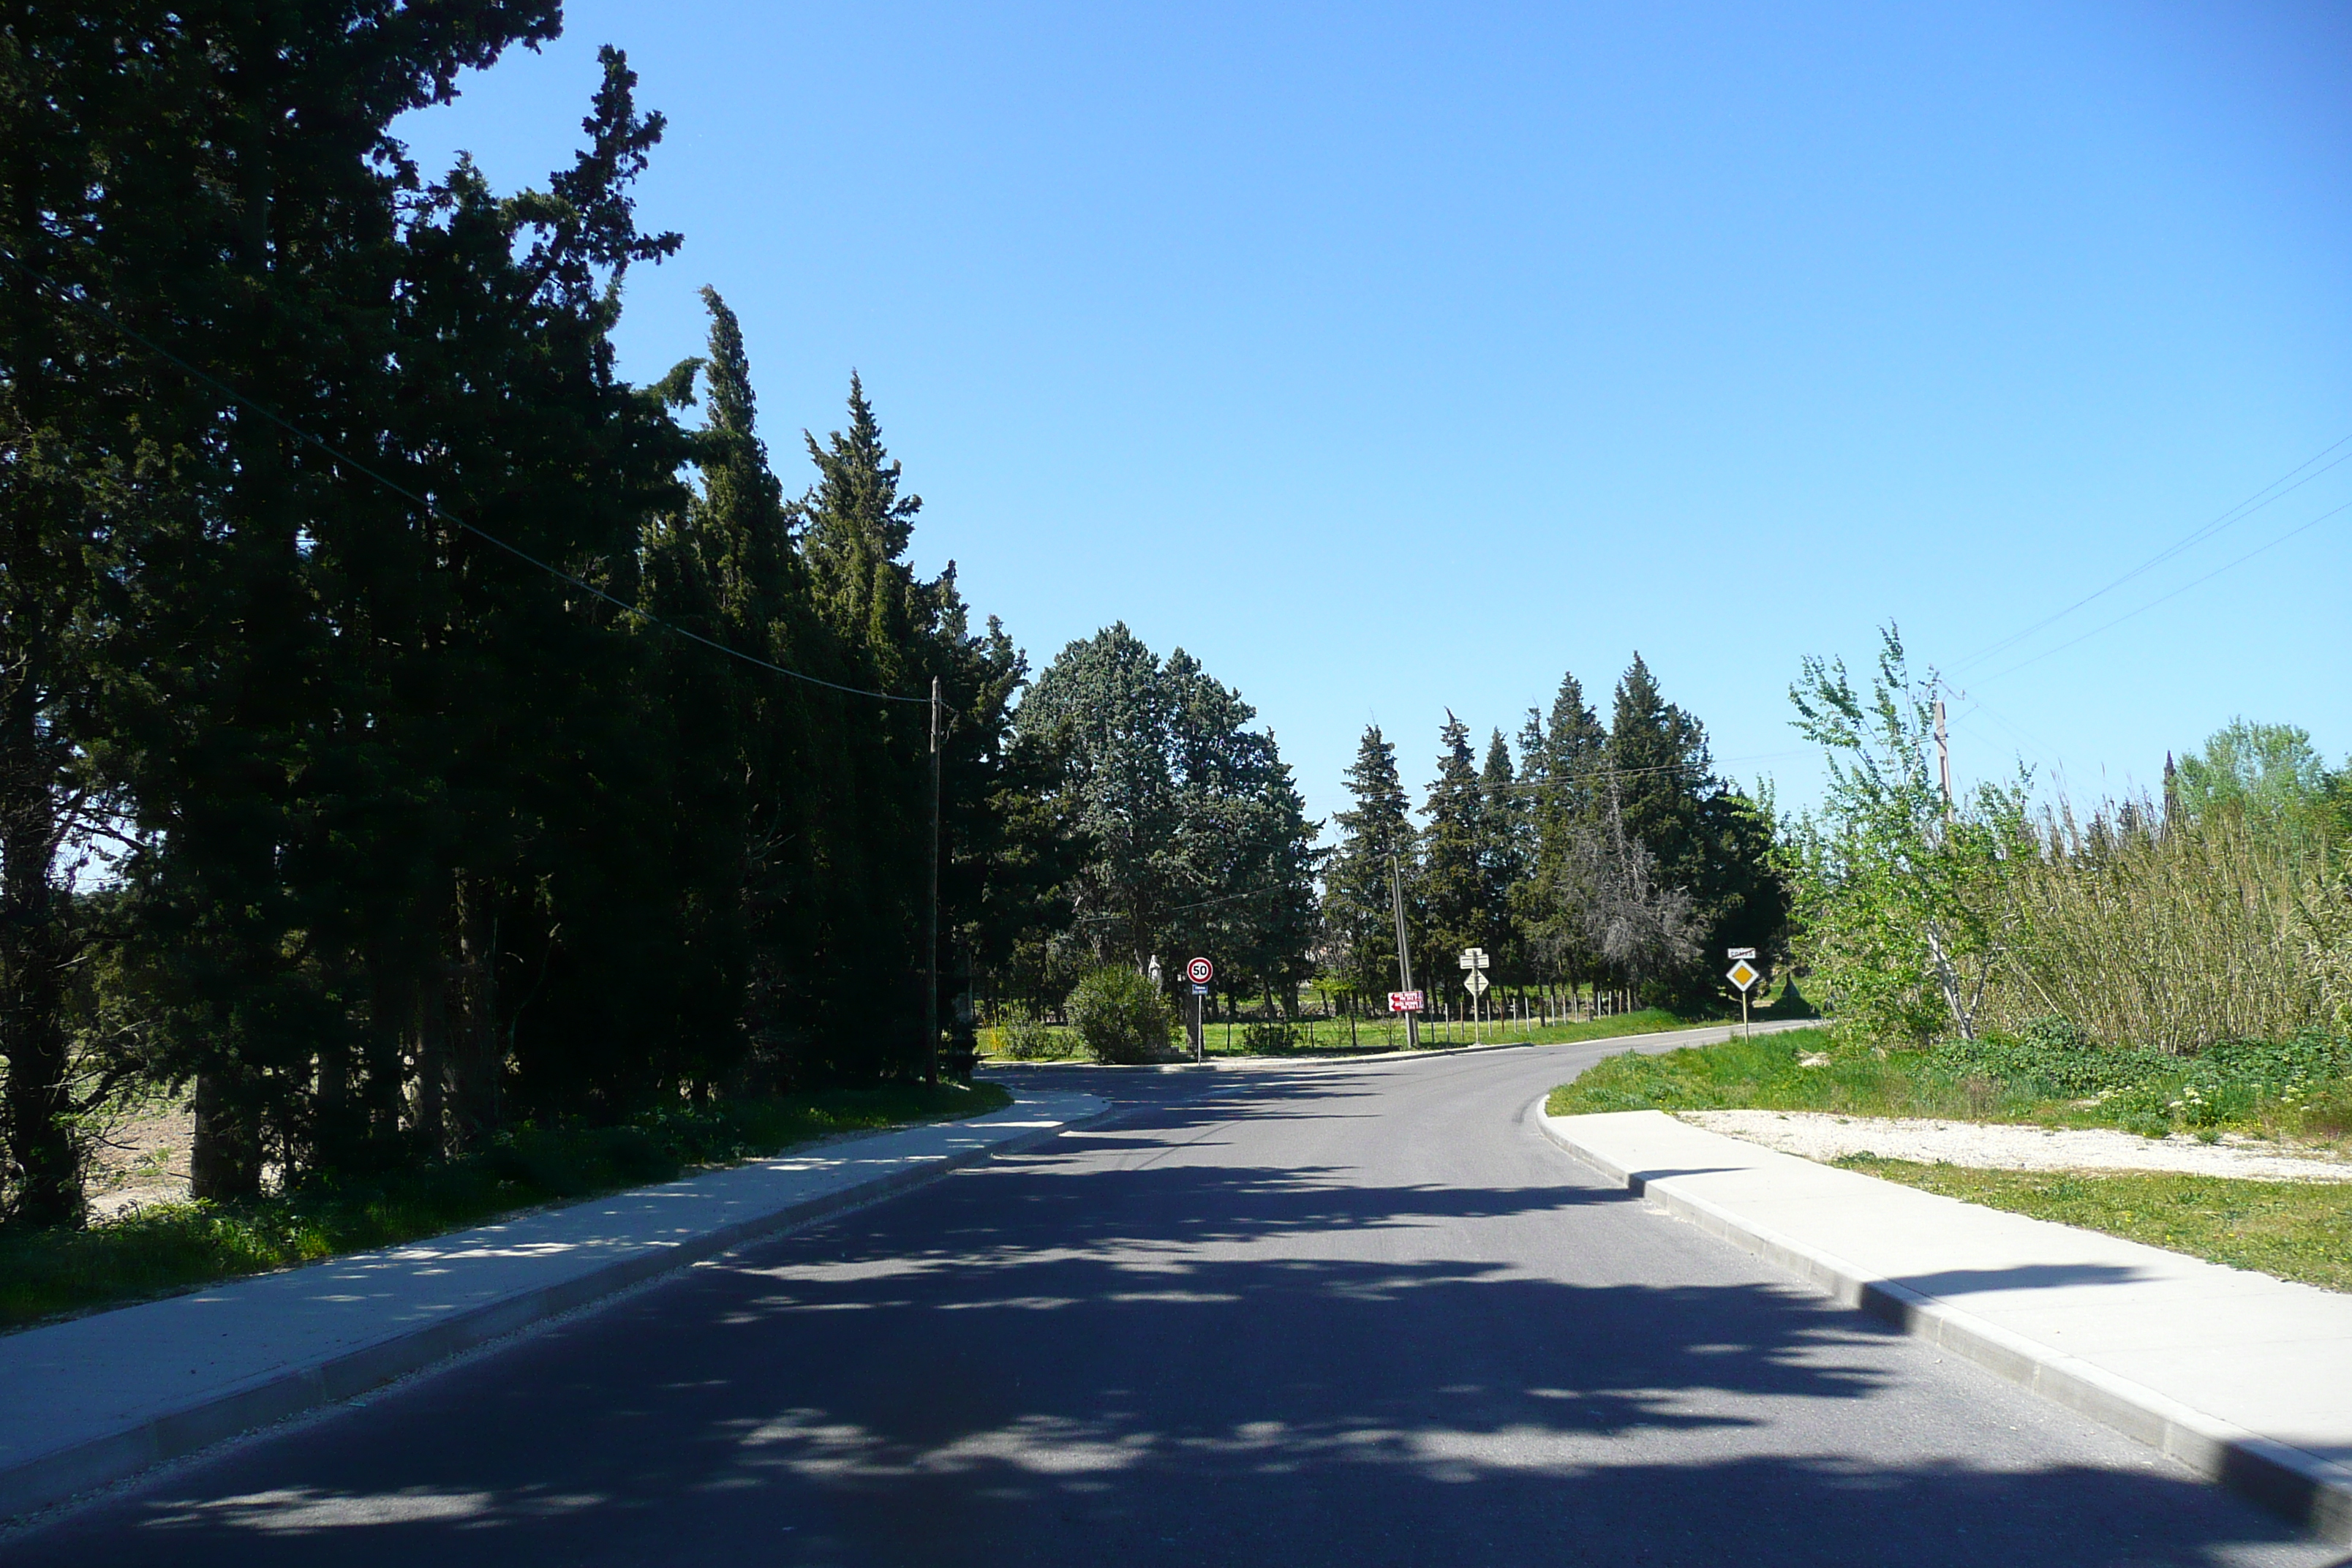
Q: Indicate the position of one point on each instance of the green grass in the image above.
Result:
(2276, 1090)
(1332, 1036)
(163, 1248)
(2293, 1230)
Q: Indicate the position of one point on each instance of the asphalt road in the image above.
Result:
(1360, 1315)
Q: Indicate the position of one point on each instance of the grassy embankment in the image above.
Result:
(2298, 1091)
(1332, 1038)
(162, 1248)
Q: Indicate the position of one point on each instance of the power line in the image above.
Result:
(2160, 599)
(430, 508)
(2229, 519)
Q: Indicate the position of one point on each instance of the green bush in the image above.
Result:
(1120, 1016)
(2055, 1057)
(1270, 1038)
(1028, 1039)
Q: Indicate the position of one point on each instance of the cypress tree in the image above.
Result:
(1453, 877)
(1358, 915)
(1504, 858)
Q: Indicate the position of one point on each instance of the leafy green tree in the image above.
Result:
(1898, 904)
(1198, 837)
(2269, 774)
(1121, 1016)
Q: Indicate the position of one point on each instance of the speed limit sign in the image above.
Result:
(1200, 971)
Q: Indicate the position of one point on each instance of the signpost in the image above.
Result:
(1199, 972)
(1745, 975)
(1404, 960)
(1474, 959)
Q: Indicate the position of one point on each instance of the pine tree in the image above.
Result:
(1376, 834)
(1453, 879)
(1504, 858)
(1702, 840)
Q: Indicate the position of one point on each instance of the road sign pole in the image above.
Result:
(932, 921)
(1744, 975)
(1197, 975)
(1405, 955)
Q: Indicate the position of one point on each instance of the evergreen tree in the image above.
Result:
(1701, 839)
(1563, 765)
(61, 94)
(1452, 874)
(1375, 832)
(1197, 837)
(1505, 856)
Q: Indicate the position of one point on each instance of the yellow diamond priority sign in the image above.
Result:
(1743, 975)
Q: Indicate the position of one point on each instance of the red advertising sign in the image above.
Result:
(1404, 1001)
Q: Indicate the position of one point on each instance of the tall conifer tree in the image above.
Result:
(1359, 910)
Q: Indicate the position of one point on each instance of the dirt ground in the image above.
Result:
(142, 1159)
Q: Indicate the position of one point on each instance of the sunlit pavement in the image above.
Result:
(1277, 1315)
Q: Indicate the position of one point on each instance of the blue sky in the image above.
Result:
(1398, 358)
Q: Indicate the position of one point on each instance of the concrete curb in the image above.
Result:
(47, 1478)
(2303, 1487)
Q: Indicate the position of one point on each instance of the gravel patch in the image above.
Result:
(2000, 1146)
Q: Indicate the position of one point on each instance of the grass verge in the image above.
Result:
(1333, 1037)
(2294, 1091)
(163, 1248)
(2293, 1230)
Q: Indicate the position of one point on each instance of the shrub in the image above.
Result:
(2172, 935)
(1120, 1016)
(2054, 1056)
(1271, 1038)
(1028, 1039)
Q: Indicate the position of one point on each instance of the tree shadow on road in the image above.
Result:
(1176, 1361)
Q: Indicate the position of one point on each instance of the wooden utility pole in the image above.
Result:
(932, 920)
(1944, 760)
(1404, 954)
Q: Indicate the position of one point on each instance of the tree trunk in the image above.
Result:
(41, 1158)
(224, 1157)
(478, 1041)
(430, 1118)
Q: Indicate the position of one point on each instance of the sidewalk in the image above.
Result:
(2245, 1379)
(94, 1399)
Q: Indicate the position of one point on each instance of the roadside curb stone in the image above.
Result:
(2308, 1488)
(96, 1399)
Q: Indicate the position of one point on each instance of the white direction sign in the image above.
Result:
(1476, 984)
(1472, 958)
(1743, 975)
(1741, 953)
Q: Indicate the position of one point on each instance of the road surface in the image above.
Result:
(1356, 1315)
